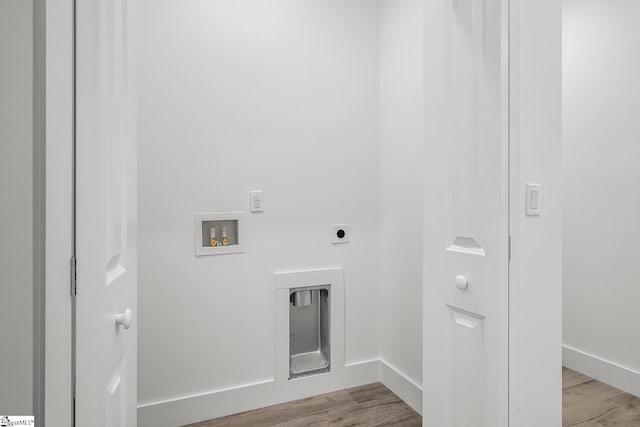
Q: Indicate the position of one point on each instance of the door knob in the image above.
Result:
(125, 319)
(461, 282)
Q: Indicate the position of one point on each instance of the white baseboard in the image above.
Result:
(608, 372)
(403, 386)
(220, 403)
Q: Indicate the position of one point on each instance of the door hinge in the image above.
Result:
(74, 281)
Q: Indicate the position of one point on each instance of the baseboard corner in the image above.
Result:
(400, 384)
(606, 371)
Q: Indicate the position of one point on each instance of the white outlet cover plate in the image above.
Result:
(334, 233)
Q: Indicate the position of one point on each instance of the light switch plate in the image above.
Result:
(533, 200)
(256, 201)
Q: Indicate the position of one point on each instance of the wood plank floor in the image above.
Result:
(590, 403)
(369, 405)
(585, 403)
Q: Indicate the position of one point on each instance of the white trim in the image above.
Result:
(205, 394)
(311, 277)
(614, 374)
(59, 211)
(232, 400)
(535, 281)
(403, 386)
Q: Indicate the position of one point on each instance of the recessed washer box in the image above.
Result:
(218, 233)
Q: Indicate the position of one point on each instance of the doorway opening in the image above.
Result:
(601, 322)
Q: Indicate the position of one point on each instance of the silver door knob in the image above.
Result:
(125, 319)
(461, 282)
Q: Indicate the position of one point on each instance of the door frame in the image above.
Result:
(57, 26)
(535, 273)
(39, 206)
(535, 276)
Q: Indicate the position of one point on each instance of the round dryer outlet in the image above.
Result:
(340, 233)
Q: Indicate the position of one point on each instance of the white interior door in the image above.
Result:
(106, 216)
(466, 246)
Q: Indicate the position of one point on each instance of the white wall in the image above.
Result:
(535, 377)
(281, 96)
(601, 196)
(16, 188)
(401, 182)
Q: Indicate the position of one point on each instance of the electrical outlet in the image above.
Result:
(340, 233)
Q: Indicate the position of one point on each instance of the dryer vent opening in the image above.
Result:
(309, 346)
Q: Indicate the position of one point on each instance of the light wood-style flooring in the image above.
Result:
(590, 403)
(585, 403)
(369, 405)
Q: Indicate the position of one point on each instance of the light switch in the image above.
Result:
(256, 201)
(533, 200)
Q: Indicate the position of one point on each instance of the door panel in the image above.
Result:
(466, 368)
(106, 215)
(466, 226)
